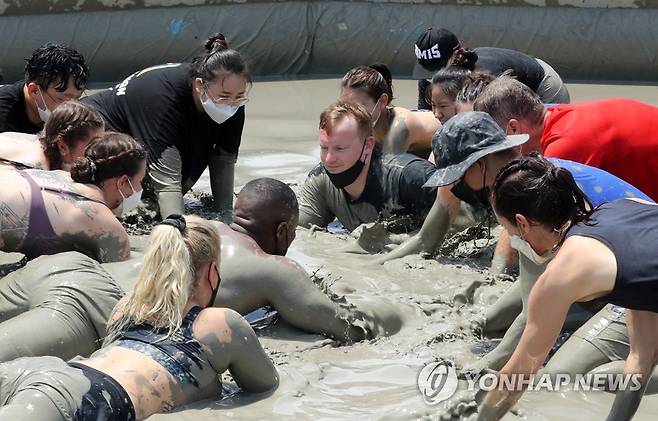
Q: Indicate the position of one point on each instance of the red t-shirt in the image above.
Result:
(617, 135)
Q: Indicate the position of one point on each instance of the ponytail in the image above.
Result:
(176, 253)
(463, 58)
(219, 61)
(540, 191)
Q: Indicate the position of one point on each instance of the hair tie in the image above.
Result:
(92, 169)
(177, 221)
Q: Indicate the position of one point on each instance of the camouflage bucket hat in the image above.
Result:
(464, 139)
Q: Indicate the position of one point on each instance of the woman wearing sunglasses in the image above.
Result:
(189, 116)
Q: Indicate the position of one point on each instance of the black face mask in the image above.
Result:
(214, 290)
(477, 198)
(349, 176)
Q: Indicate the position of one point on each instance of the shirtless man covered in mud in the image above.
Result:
(65, 300)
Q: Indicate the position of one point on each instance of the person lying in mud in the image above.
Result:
(66, 299)
(547, 214)
(165, 347)
(356, 182)
(471, 149)
(66, 134)
(396, 129)
(46, 212)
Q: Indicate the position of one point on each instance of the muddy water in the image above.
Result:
(375, 379)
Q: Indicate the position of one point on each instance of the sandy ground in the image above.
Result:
(374, 379)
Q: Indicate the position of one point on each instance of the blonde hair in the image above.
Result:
(167, 278)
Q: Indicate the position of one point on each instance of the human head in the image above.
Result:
(473, 86)
(180, 265)
(446, 84)
(54, 74)
(268, 210)
(462, 148)
(538, 201)
(220, 77)
(515, 107)
(370, 86)
(346, 141)
(433, 49)
(67, 133)
(115, 163)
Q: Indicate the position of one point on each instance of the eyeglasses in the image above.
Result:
(236, 102)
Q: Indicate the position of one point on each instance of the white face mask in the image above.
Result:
(523, 247)
(218, 112)
(129, 203)
(45, 112)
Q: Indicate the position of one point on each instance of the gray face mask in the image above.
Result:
(129, 203)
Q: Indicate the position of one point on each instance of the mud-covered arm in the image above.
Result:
(231, 344)
(222, 174)
(434, 228)
(505, 257)
(113, 242)
(303, 305)
(642, 327)
(548, 305)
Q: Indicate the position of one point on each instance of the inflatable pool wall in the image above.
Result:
(614, 40)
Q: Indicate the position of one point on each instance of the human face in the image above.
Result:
(116, 189)
(343, 147)
(230, 90)
(50, 98)
(443, 106)
(541, 238)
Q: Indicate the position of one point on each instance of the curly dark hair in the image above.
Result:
(56, 64)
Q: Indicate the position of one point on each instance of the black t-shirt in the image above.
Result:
(524, 68)
(156, 107)
(394, 187)
(13, 117)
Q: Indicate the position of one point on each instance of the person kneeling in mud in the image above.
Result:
(66, 299)
(356, 182)
(470, 150)
(593, 259)
(165, 347)
(47, 212)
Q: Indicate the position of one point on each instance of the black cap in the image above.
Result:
(463, 140)
(433, 49)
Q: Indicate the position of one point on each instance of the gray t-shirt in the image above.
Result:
(394, 186)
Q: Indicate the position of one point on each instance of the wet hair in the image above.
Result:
(463, 58)
(373, 80)
(110, 155)
(219, 61)
(450, 80)
(506, 98)
(473, 86)
(170, 269)
(56, 64)
(540, 191)
(339, 110)
(70, 121)
(269, 197)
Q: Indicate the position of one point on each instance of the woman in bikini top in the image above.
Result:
(47, 212)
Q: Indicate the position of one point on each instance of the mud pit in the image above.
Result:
(372, 379)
